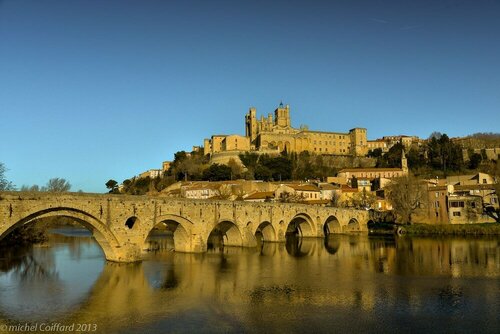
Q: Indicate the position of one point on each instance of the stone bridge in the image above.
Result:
(121, 224)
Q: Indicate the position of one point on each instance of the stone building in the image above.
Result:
(375, 173)
(275, 134)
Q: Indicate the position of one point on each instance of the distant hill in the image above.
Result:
(480, 140)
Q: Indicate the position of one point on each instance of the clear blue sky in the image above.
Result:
(93, 90)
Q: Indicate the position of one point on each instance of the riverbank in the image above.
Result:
(455, 229)
(428, 229)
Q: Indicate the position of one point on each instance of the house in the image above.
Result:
(465, 209)
(328, 191)
(303, 191)
(461, 201)
(463, 180)
(152, 173)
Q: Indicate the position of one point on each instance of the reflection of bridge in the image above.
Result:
(121, 224)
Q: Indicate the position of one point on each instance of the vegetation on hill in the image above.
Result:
(439, 157)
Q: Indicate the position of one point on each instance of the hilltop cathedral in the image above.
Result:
(274, 135)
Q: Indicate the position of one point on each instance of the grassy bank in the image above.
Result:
(465, 229)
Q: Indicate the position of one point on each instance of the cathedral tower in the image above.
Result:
(282, 116)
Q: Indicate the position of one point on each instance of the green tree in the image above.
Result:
(5, 185)
(57, 185)
(250, 161)
(302, 167)
(263, 173)
(392, 158)
(217, 172)
(444, 155)
(375, 153)
(188, 166)
(416, 158)
(474, 160)
(112, 185)
(280, 167)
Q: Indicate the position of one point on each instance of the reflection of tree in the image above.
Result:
(170, 282)
(22, 263)
(31, 269)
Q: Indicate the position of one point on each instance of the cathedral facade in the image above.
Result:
(274, 134)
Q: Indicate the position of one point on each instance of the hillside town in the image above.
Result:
(356, 171)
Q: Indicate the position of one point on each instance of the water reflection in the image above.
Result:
(41, 282)
(300, 247)
(297, 286)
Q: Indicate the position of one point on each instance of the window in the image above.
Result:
(436, 204)
(457, 204)
(456, 214)
(484, 180)
(473, 205)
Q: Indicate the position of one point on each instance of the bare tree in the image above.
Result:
(236, 168)
(407, 195)
(363, 200)
(4, 183)
(32, 188)
(57, 185)
(335, 200)
(286, 197)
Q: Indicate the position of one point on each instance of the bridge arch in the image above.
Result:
(301, 225)
(332, 225)
(225, 233)
(353, 225)
(180, 228)
(105, 238)
(267, 231)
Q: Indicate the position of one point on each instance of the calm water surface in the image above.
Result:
(344, 284)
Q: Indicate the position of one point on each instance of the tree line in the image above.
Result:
(439, 156)
(195, 166)
(53, 185)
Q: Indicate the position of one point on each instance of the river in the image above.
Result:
(343, 284)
